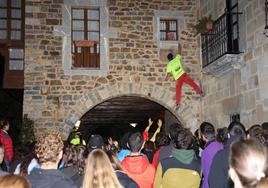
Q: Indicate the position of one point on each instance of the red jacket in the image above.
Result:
(6, 140)
(140, 170)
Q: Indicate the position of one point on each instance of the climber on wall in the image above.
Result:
(174, 68)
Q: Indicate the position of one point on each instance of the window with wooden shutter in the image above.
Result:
(86, 37)
(12, 41)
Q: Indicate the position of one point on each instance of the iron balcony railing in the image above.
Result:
(222, 39)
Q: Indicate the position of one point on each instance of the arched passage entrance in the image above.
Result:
(161, 95)
(113, 117)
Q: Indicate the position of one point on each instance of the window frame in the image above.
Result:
(8, 29)
(167, 30)
(86, 31)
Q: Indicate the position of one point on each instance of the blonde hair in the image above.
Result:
(48, 147)
(14, 181)
(249, 159)
(99, 172)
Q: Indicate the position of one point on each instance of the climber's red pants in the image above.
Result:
(185, 78)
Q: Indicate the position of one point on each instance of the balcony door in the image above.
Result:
(233, 26)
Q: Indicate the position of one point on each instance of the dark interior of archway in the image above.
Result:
(112, 118)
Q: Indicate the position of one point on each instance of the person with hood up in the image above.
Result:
(182, 169)
(136, 165)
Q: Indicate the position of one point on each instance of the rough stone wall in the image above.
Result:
(244, 91)
(55, 100)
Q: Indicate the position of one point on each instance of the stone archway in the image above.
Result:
(149, 91)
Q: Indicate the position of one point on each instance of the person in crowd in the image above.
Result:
(256, 132)
(136, 165)
(95, 142)
(49, 149)
(13, 181)
(248, 164)
(222, 135)
(78, 139)
(74, 164)
(27, 164)
(148, 150)
(99, 172)
(112, 145)
(212, 146)
(218, 174)
(2, 153)
(166, 150)
(123, 178)
(175, 68)
(161, 141)
(182, 169)
(6, 140)
(124, 151)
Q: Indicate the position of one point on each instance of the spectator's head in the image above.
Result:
(170, 56)
(4, 124)
(149, 146)
(135, 142)
(237, 129)
(76, 158)
(248, 164)
(99, 171)
(95, 142)
(256, 132)
(14, 181)
(123, 141)
(173, 131)
(222, 134)
(49, 147)
(184, 140)
(1, 153)
(207, 131)
(161, 140)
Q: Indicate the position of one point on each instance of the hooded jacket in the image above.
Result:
(180, 170)
(40, 178)
(218, 174)
(211, 148)
(140, 170)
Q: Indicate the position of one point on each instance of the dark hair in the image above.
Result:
(173, 131)
(161, 140)
(249, 159)
(237, 129)
(264, 126)
(207, 130)
(123, 141)
(222, 134)
(184, 139)
(149, 146)
(76, 158)
(3, 123)
(170, 56)
(256, 132)
(135, 142)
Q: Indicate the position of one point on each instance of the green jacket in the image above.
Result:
(175, 67)
(181, 170)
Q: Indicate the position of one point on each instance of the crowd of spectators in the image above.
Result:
(224, 158)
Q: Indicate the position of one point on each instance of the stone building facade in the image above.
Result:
(132, 57)
(244, 90)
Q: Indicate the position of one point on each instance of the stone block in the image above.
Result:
(231, 105)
